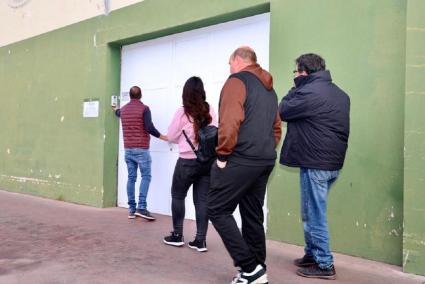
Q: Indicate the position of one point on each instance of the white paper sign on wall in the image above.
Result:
(91, 109)
(125, 98)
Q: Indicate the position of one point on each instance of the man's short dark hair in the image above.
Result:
(310, 63)
(135, 93)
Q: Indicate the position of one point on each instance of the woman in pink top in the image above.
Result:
(195, 114)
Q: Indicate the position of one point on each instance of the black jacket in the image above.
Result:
(318, 116)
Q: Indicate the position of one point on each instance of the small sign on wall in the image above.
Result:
(91, 108)
(125, 97)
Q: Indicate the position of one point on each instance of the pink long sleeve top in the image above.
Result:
(175, 135)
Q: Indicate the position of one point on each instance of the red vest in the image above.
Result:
(135, 135)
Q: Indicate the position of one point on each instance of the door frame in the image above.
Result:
(234, 24)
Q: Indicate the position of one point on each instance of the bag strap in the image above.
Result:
(190, 142)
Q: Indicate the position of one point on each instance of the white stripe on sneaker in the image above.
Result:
(198, 249)
(176, 244)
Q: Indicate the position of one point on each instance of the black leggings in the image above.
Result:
(186, 173)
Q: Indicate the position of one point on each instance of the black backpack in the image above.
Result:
(207, 143)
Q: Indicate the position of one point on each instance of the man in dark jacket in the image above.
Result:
(137, 127)
(318, 117)
(249, 131)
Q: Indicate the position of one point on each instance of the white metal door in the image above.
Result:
(161, 67)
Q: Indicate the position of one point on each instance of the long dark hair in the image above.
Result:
(194, 104)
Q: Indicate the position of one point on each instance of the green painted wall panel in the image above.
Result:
(414, 155)
(110, 149)
(366, 58)
(45, 139)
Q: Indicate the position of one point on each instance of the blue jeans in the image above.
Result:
(138, 158)
(315, 186)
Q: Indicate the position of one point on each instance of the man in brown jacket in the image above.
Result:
(249, 131)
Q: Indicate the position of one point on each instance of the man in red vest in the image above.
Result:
(137, 127)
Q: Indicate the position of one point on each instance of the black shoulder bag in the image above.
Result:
(207, 143)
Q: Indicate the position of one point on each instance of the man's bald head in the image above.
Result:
(246, 53)
(135, 92)
(241, 58)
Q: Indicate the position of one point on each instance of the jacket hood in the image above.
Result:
(264, 76)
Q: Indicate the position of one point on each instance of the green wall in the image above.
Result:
(49, 149)
(363, 43)
(414, 155)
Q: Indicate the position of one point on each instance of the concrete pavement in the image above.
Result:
(51, 242)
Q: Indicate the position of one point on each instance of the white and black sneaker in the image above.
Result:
(174, 240)
(257, 276)
(144, 213)
(199, 245)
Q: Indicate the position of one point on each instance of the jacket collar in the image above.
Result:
(324, 75)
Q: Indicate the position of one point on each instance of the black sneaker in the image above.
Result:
(144, 213)
(315, 271)
(131, 215)
(174, 240)
(199, 245)
(258, 276)
(305, 261)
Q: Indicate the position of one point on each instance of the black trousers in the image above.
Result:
(244, 186)
(186, 173)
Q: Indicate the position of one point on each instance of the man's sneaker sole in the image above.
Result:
(145, 217)
(131, 217)
(330, 277)
(174, 244)
(198, 249)
(262, 280)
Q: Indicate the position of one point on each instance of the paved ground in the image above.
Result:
(51, 242)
